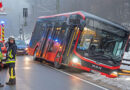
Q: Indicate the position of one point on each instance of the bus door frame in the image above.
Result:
(44, 40)
(50, 36)
(73, 29)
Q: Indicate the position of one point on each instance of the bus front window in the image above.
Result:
(101, 45)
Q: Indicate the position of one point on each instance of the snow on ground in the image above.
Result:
(127, 55)
(122, 82)
(128, 62)
(125, 67)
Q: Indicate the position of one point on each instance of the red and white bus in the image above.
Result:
(80, 40)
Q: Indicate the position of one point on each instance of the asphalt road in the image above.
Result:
(31, 75)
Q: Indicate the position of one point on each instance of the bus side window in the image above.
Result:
(57, 30)
(53, 37)
(63, 31)
(50, 38)
(37, 33)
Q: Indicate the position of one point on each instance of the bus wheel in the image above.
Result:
(57, 64)
(34, 56)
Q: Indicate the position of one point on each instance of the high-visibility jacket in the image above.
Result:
(1, 56)
(11, 54)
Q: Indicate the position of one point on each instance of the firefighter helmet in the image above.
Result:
(11, 38)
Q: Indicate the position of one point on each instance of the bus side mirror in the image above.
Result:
(82, 24)
(128, 47)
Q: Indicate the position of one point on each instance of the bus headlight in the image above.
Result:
(76, 60)
(26, 49)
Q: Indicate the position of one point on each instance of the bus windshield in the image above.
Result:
(101, 44)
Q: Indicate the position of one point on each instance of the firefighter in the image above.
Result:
(11, 58)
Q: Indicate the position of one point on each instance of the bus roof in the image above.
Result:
(103, 20)
(85, 15)
(64, 14)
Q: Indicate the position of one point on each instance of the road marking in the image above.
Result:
(79, 78)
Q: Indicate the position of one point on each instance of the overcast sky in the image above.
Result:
(13, 8)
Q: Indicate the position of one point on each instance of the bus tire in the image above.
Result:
(34, 56)
(57, 64)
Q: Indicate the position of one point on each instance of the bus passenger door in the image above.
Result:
(54, 42)
(45, 52)
(71, 38)
(70, 43)
(44, 40)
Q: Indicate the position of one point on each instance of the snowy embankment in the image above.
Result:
(122, 82)
(126, 56)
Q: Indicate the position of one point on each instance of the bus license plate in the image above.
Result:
(96, 67)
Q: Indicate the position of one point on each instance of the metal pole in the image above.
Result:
(58, 6)
(23, 31)
(20, 28)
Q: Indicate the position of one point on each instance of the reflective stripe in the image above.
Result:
(1, 55)
(10, 60)
(12, 76)
(10, 54)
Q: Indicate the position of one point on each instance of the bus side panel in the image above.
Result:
(30, 51)
(51, 55)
